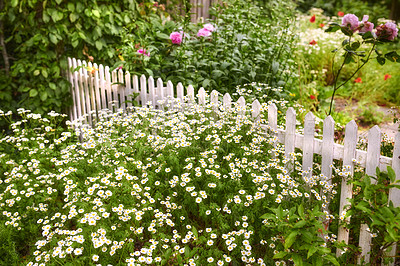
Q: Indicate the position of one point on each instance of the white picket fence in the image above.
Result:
(105, 90)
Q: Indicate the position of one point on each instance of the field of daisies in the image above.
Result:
(191, 186)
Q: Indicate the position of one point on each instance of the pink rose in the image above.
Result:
(209, 27)
(176, 37)
(143, 52)
(388, 31)
(350, 21)
(365, 25)
(203, 33)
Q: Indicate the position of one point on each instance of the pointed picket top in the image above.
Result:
(308, 144)
(190, 94)
(128, 90)
(108, 87)
(160, 92)
(170, 89)
(373, 151)
(201, 96)
(115, 89)
(350, 144)
(328, 143)
(179, 91)
(152, 92)
(227, 101)
(241, 105)
(255, 110)
(143, 90)
(290, 134)
(97, 88)
(135, 87)
(273, 117)
(214, 99)
(121, 89)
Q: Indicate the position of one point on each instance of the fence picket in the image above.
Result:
(255, 110)
(77, 90)
(83, 78)
(121, 89)
(143, 90)
(170, 94)
(96, 82)
(102, 86)
(214, 100)
(201, 96)
(73, 111)
(152, 93)
(308, 145)
(227, 102)
(108, 87)
(241, 105)
(114, 89)
(180, 92)
(90, 82)
(160, 92)
(373, 154)
(327, 148)
(128, 90)
(394, 193)
(190, 94)
(350, 145)
(273, 117)
(290, 134)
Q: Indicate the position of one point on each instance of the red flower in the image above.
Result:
(321, 25)
(358, 80)
(312, 19)
(340, 14)
(312, 97)
(313, 42)
(387, 76)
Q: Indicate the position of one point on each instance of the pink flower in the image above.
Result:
(209, 27)
(203, 33)
(143, 52)
(388, 31)
(365, 25)
(176, 37)
(350, 21)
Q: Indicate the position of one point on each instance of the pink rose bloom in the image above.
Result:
(209, 27)
(388, 31)
(203, 33)
(176, 37)
(366, 25)
(350, 21)
(143, 52)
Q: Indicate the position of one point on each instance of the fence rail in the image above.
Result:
(93, 92)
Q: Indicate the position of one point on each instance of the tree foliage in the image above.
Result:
(38, 35)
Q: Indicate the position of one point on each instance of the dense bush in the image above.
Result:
(39, 35)
(247, 44)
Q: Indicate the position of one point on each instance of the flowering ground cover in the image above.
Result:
(191, 186)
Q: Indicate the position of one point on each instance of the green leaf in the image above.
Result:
(187, 252)
(52, 86)
(393, 56)
(290, 239)
(74, 43)
(333, 27)
(206, 83)
(346, 41)
(381, 60)
(73, 17)
(346, 31)
(96, 13)
(367, 35)
(355, 45)
(280, 255)
(14, 3)
(311, 251)
(53, 38)
(58, 2)
(300, 210)
(297, 259)
(44, 73)
(162, 36)
(391, 174)
(99, 45)
(71, 7)
(36, 72)
(363, 206)
(300, 224)
(43, 96)
(33, 93)
(332, 259)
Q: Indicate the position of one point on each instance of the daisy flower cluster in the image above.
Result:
(149, 187)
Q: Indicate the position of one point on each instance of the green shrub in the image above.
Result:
(247, 46)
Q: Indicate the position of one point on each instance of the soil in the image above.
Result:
(354, 109)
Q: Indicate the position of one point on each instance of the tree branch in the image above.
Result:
(3, 45)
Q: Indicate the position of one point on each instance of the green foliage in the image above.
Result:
(247, 46)
(39, 37)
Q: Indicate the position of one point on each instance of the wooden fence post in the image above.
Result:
(308, 146)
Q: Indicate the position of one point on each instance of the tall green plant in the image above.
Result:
(38, 36)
